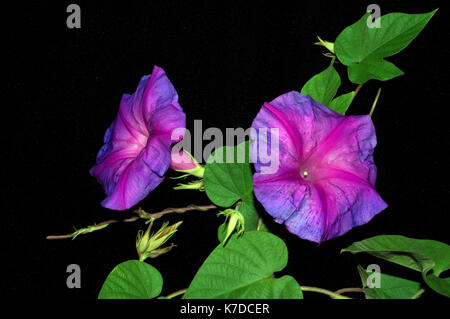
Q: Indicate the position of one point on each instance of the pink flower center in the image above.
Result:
(304, 174)
(309, 171)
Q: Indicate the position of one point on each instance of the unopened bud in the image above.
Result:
(184, 162)
(326, 44)
(199, 184)
(235, 222)
(147, 245)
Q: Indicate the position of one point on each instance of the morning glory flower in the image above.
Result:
(137, 148)
(324, 185)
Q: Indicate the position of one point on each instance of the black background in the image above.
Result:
(225, 59)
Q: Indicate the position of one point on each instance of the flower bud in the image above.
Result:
(184, 162)
(199, 184)
(89, 229)
(326, 44)
(147, 245)
(235, 222)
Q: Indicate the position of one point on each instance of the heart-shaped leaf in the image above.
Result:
(228, 179)
(363, 48)
(244, 268)
(228, 176)
(132, 279)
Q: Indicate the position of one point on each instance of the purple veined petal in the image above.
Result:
(318, 211)
(299, 205)
(324, 186)
(140, 175)
(331, 208)
(302, 123)
(158, 93)
(269, 117)
(279, 193)
(131, 131)
(168, 120)
(348, 148)
(136, 153)
(310, 122)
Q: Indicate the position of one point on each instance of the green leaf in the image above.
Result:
(342, 102)
(229, 181)
(322, 87)
(441, 285)
(373, 69)
(417, 254)
(429, 257)
(285, 287)
(244, 268)
(248, 210)
(132, 279)
(363, 49)
(222, 232)
(391, 287)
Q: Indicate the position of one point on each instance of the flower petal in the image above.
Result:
(280, 194)
(140, 175)
(302, 122)
(319, 211)
(335, 154)
(348, 148)
(343, 205)
(136, 153)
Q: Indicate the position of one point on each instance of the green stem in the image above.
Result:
(174, 210)
(345, 290)
(375, 102)
(176, 293)
(325, 292)
(304, 288)
(333, 59)
(260, 221)
(418, 293)
(356, 92)
(357, 89)
(141, 215)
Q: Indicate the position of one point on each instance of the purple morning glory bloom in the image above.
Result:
(324, 185)
(136, 153)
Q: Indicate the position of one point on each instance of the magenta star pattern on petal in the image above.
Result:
(137, 148)
(324, 185)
